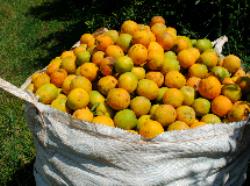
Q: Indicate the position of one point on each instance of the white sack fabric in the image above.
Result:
(71, 152)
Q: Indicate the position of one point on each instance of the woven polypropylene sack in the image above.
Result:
(71, 152)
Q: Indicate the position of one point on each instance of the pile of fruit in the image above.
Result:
(145, 79)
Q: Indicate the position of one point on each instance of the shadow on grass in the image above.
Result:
(23, 176)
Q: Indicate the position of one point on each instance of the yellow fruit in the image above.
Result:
(158, 29)
(47, 93)
(238, 112)
(69, 64)
(66, 83)
(125, 119)
(209, 58)
(148, 89)
(106, 83)
(201, 106)
(165, 114)
(139, 72)
(40, 79)
(133, 131)
(30, 87)
(198, 70)
(69, 53)
(104, 120)
(83, 114)
(113, 34)
(151, 129)
(174, 97)
(210, 87)
(182, 43)
(210, 118)
(153, 109)
(89, 70)
(60, 103)
(178, 125)
(221, 105)
(174, 79)
(78, 98)
(171, 31)
(97, 57)
(142, 120)
(81, 82)
(140, 105)
(185, 114)
(155, 47)
(231, 63)
(189, 95)
(128, 81)
(118, 98)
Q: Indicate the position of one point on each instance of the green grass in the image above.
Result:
(32, 32)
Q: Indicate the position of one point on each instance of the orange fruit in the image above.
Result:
(178, 125)
(106, 83)
(209, 58)
(157, 19)
(154, 46)
(157, 77)
(103, 41)
(66, 83)
(141, 37)
(138, 53)
(129, 27)
(87, 39)
(148, 89)
(83, 114)
(165, 114)
(89, 70)
(77, 98)
(227, 81)
(142, 120)
(114, 51)
(185, 114)
(113, 34)
(81, 82)
(174, 97)
(240, 72)
(97, 57)
(172, 31)
(53, 65)
(80, 49)
(151, 129)
(174, 79)
(139, 72)
(182, 43)
(58, 77)
(69, 64)
(118, 98)
(103, 120)
(155, 60)
(158, 29)
(140, 105)
(186, 58)
(39, 79)
(231, 63)
(210, 87)
(69, 53)
(166, 40)
(193, 82)
(197, 124)
(221, 105)
(106, 65)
